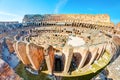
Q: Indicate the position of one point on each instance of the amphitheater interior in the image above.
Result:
(69, 45)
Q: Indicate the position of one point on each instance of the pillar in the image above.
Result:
(35, 54)
(49, 57)
(20, 50)
(84, 53)
(68, 51)
(94, 52)
(101, 50)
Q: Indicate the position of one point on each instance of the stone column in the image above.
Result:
(35, 54)
(101, 50)
(21, 51)
(10, 45)
(94, 52)
(84, 53)
(68, 51)
(49, 57)
(29, 57)
(15, 46)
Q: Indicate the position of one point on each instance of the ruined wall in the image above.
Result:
(3, 35)
(67, 18)
(51, 54)
(22, 52)
(83, 56)
(79, 17)
(6, 73)
(49, 57)
(117, 26)
(36, 55)
(116, 40)
(10, 45)
(0, 49)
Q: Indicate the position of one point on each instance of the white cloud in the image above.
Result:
(5, 13)
(5, 16)
(59, 5)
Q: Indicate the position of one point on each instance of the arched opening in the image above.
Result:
(76, 59)
(88, 59)
(58, 63)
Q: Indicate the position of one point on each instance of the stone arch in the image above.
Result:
(59, 62)
(88, 59)
(77, 58)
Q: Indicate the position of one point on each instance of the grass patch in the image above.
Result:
(22, 72)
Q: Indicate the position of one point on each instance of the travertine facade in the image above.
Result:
(69, 18)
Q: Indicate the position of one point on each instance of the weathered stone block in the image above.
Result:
(36, 55)
(10, 45)
(22, 52)
(6, 73)
(50, 58)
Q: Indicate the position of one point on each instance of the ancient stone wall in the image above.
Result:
(117, 27)
(82, 26)
(10, 45)
(116, 40)
(75, 29)
(69, 18)
(0, 47)
(49, 57)
(6, 73)
(20, 50)
(36, 55)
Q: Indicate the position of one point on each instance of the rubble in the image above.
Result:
(7, 73)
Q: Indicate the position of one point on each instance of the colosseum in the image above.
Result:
(66, 46)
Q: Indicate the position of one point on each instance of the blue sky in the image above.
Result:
(16, 9)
